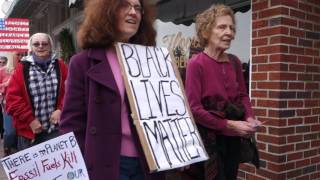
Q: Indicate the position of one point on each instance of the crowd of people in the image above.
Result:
(42, 98)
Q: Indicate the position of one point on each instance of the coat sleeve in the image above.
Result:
(17, 103)
(194, 92)
(74, 112)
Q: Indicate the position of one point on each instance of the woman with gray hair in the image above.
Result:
(217, 94)
(35, 93)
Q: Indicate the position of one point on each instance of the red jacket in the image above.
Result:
(4, 78)
(18, 102)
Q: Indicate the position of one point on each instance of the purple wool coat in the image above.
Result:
(92, 111)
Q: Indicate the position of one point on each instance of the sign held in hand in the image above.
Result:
(160, 111)
(57, 159)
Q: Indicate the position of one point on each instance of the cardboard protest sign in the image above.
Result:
(56, 159)
(160, 111)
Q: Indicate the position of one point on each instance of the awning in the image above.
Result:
(177, 11)
(9, 9)
(72, 2)
(183, 11)
(75, 3)
(27, 8)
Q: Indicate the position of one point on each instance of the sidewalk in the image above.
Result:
(2, 174)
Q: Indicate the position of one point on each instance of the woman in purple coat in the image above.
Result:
(96, 106)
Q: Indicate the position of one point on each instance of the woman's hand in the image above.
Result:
(184, 168)
(254, 123)
(240, 128)
(35, 126)
(55, 117)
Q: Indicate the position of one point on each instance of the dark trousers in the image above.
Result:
(225, 163)
(130, 168)
(228, 158)
(24, 143)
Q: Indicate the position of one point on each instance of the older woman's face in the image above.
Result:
(129, 18)
(41, 46)
(222, 33)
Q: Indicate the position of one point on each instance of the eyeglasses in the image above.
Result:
(3, 62)
(128, 6)
(37, 44)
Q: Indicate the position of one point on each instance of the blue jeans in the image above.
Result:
(130, 168)
(10, 137)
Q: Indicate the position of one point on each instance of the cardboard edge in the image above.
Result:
(134, 115)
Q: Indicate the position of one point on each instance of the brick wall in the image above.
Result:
(286, 88)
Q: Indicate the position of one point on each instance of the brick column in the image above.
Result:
(286, 88)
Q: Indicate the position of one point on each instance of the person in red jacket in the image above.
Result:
(35, 93)
(10, 137)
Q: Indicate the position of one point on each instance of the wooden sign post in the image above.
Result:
(160, 111)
